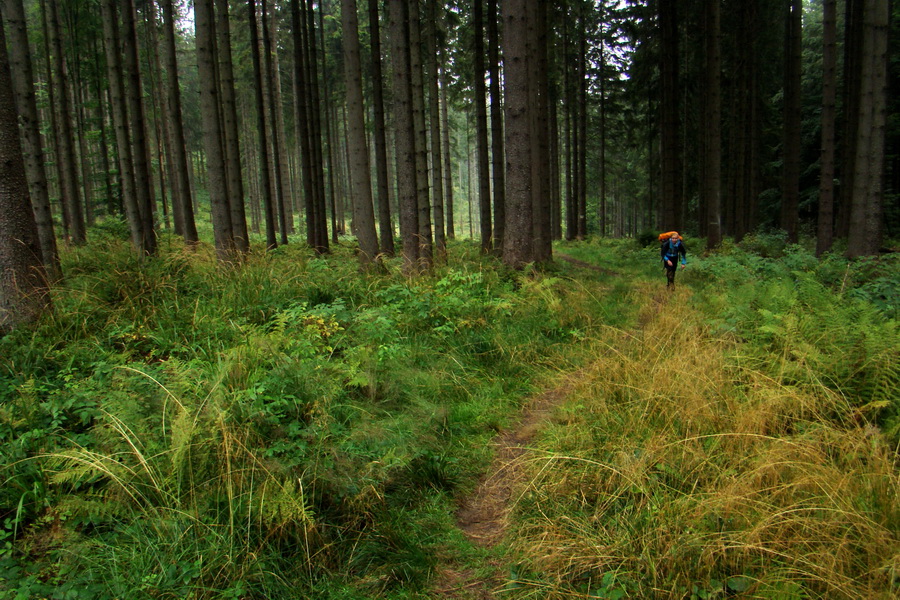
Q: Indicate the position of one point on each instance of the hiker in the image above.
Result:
(669, 250)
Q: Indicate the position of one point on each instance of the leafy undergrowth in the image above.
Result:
(741, 443)
(176, 429)
(293, 428)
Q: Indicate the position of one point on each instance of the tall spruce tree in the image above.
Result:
(24, 293)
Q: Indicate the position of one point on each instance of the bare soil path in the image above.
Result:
(483, 515)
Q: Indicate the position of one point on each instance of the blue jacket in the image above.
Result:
(670, 251)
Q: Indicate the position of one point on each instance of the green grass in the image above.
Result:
(177, 428)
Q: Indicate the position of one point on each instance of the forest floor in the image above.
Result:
(482, 516)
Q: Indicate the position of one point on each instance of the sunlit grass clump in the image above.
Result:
(680, 469)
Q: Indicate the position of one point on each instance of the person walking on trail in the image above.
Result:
(671, 250)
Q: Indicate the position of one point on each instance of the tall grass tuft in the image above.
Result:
(680, 468)
(194, 507)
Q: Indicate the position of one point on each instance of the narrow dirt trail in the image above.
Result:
(483, 515)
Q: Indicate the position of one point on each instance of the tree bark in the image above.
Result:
(437, 183)
(273, 102)
(68, 178)
(234, 188)
(714, 127)
(385, 226)
(448, 169)
(420, 133)
(866, 212)
(518, 246)
(265, 171)
(404, 134)
(181, 181)
(24, 293)
(120, 122)
(134, 100)
(497, 166)
(825, 228)
(281, 152)
(360, 179)
(481, 133)
(540, 192)
(213, 142)
(26, 104)
(790, 187)
(670, 145)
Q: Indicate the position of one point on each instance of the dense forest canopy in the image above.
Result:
(646, 116)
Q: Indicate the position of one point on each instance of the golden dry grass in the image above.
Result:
(674, 466)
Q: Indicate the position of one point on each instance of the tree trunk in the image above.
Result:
(581, 124)
(867, 209)
(360, 179)
(302, 120)
(134, 99)
(234, 188)
(540, 190)
(181, 180)
(68, 177)
(163, 122)
(518, 247)
(272, 103)
(213, 142)
(112, 207)
(251, 171)
(281, 152)
(265, 172)
(793, 55)
(87, 188)
(385, 227)
(331, 150)
(316, 130)
(481, 134)
(670, 145)
(420, 132)
(120, 122)
(568, 127)
(825, 229)
(437, 183)
(714, 127)
(448, 169)
(26, 103)
(603, 193)
(498, 167)
(24, 294)
(852, 83)
(404, 134)
(555, 190)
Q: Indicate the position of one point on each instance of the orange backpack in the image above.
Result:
(664, 236)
